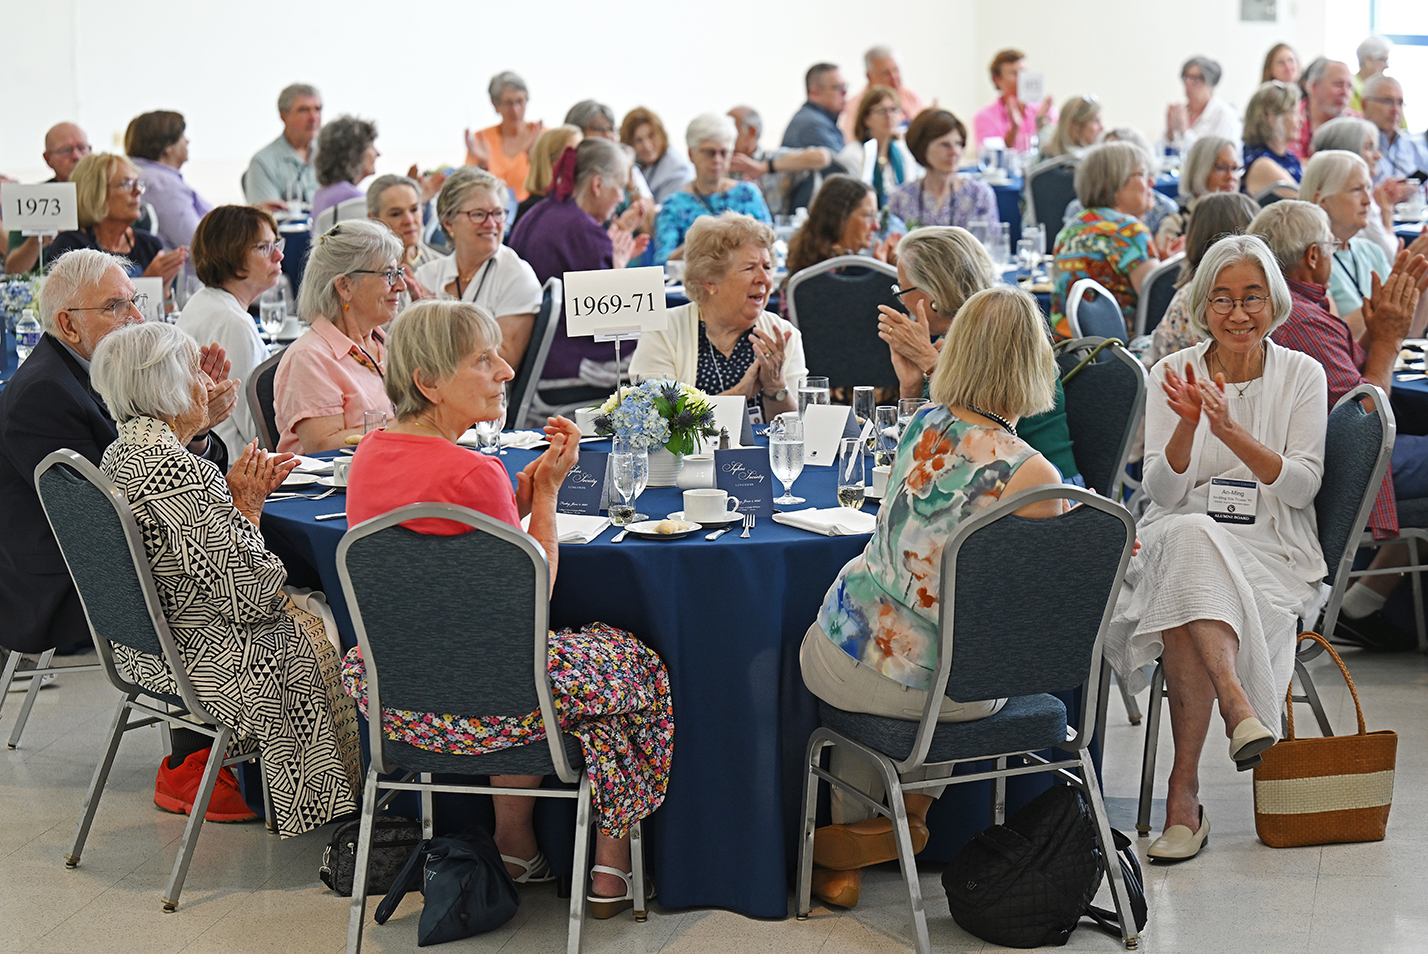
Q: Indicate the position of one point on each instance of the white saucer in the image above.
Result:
(296, 479)
(646, 529)
(328, 482)
(734, 517)
(869, 495)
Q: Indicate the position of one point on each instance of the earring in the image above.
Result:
(930, 304)
(346, 306)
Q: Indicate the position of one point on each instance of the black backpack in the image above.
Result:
(1029, 882)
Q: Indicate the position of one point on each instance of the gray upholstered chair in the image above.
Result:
(104, 550)
(44, 671)
(1105, 403)
(1156, 292)
(1050, 189)
(837, 313)
(1092, 311)
(258, 391)
(1046, 640)
(467, 635)
(524, 385)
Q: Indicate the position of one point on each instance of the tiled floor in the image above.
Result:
(248, 891)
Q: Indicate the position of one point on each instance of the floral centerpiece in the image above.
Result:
(17, 294)
(657, 413)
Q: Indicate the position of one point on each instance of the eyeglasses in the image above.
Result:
(479, 216)
(840, 88)
(1192, 78)
(82, 149)
(714, 153)
(268, 248)
(1228, 170)
(1252, 304)
(885, 111)
(119, 308)
(898, 291)
(1384, 101)
(392, 275)
(130, 185)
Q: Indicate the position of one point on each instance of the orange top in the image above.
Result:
(512, 169)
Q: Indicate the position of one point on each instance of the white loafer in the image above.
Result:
(1178, 843)
(1249, 740)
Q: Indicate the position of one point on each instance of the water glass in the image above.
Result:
(272, 313)
(906, 408)
(786, 454)
(885, 435)
(981, 230)
(851, 475)
(813, 390)
(1039, 233)
(999, 244)
(864, 400)
(629, 472)
(373, 420)
(488, 436)
(1027, 258)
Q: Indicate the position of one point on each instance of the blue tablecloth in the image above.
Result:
(727, 617)
(1408, 231)
(1410, 405)
(1009, 205)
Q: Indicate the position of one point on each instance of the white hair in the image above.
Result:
(1377, 82)
(503, 81)
(1347, 133)
(71, 275)
(1328, 171)
(1374, 48)
(145, 370)
(341, 250)
(1289, 227)
(880, 52)
(708, 126)
(1236, 250)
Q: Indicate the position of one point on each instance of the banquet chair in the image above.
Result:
(523, 386)
(258, 391)
(1047, 640)
(1155, 294)
(1105, 403)
(1092, 310)
(1357, 448)
(104, 550)
(1050, 189)
(837, 312)
(341, 212)
(43, 668)
(422, 654)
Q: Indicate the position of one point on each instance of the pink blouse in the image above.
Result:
(325, 373)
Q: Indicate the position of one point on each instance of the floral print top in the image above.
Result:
(883, 608)
(1174, 333)
(1105, 245)
(970, 201)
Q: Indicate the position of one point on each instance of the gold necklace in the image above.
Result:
(418, 422)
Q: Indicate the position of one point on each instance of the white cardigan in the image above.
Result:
(674, 352)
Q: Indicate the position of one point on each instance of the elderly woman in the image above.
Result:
(874, 645)
(1107, 241)
(1272, 121)
(549, 147)
(481, 270)
(1217, 599)
(875, 129)
(238, 256)
(221, 589)
(596, 120)
(1223, 214)
(843, 220)
(1078, 128)
(1161, 205)
(346, 154)
(1203, 113)
(1352, 134)
(446, 373)
(1280, 63)
(504, 149)
(1212, 165)
(723, 341)
(332, 376)
(711, 142)
(1338, 181)
(936, 139)
(157, 145)
(396, 201)
(107, 198)
(665, 169)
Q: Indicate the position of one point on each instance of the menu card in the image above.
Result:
(745, 473)
(823, 426)
(583, 490)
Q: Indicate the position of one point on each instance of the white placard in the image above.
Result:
(153, 308)
(730, 412)
(614, 301)
(823, 426)
(1030, 87)
(42, 209)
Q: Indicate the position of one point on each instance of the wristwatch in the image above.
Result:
(779, 395)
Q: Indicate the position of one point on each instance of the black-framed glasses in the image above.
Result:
(392, 275)
(480, 216)
(267, 249)
(119, 308)
(1252, 304)
(898, 291)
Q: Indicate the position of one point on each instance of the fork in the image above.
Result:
(748, 525)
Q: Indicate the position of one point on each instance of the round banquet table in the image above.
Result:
(1009, 205)
(727, 617)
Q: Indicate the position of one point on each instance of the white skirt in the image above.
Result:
(1189, 567)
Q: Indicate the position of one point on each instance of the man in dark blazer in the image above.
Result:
(47, 405)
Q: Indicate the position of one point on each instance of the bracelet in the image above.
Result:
(771, 165)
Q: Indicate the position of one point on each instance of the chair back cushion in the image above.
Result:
(1157, 293)
(1051, 190)
(261, 402)
(837, 312)
(1353, 448)
(522, 388)
(1097, 314)
(1105, 401)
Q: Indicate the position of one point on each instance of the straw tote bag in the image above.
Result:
(1322, 791)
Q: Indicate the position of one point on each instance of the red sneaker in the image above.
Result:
(176, 789)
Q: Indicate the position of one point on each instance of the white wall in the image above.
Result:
(420, 71)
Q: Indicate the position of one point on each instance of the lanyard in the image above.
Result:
(485, 272)
(1353, 277)
(704, 199)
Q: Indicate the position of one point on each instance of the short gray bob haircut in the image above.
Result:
(585, 112)
(1374, 48)
(292, 92)
(460, 186)
(880, 52)
(384, 182)
(503, 81)
(1235, 250)
(341, 146)
(431, 339)
(1200, 162)
(1348, 133)
(1327, 172)
(1208, 68)
(1289, 227)
(68, 278)
(1104, 169)
(947, 263)
(707, 126)
(345, 248)
(145, 370)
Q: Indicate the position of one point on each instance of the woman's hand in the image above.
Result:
(478, 151)
(430, 183)
(255, 475)
(223, 392)
(626, 246)
(416, 289)
(167, 264)
(1184, 395)
(542, 477)
(1215, 406)
(769, 351)
(886, 250)
(1176, 119)
(910, 345)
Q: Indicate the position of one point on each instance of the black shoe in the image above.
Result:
(1375, 633)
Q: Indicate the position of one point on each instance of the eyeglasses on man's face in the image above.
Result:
(119, 308)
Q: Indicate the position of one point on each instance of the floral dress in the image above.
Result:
(682, 208)
(1105, 245)
(971, 201)
(1174, 333)
(883, 608)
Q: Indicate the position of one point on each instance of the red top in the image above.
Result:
(392, 470)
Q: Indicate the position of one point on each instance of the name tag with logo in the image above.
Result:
(1232, 501)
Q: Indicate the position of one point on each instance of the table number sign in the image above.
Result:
(43, 209)
(583, 490)
(823, 426)
(745, 473)
(1030, 87)
(615, 301)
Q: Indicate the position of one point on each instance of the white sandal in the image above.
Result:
(602, 908)
(536, 871)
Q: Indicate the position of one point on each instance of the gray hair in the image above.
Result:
(1318, 68)
(503, 81)
(1236, 250)
(69, 277)
(345, 248)
(584, 113)
(947, 263)
(431, 338)
(750, 117)
(292, 92)
(1104, 169)
(1134, 136)
(145, 370)
(1374, 48)
(600, 157)
(880, 52)
(1268, 112)
(340, 148)
(460, 186)
(1200, 162)
(382, 184)
(710, 126)
(1327, 172)
(1289, 227)
(1377, 82)
(710, 246)
(1345, 133)
(1208, 68)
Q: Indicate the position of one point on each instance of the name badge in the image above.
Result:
(1232, 501)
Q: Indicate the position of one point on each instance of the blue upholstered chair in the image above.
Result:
(1105, 404)
(523, 386)
(1092, 311)
(835, 305)
(258, 391)
(1156, 292)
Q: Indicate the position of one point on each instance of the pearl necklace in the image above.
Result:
(1010, 429)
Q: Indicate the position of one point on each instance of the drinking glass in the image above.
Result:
(813, 390)
(1038, 233)
(272, 314)
(864, 400)
(981, 230)
(629, 471)
(850, 473)
(786, 454)
(373, 420)
(885, 435)
(999, 244)
(488, 436)
(906, 408)
(1027, 258)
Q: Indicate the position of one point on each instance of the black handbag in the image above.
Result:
(393, 839)
(465, 883)
(1029, 882)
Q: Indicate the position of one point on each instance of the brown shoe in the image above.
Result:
(839, 888)
(863, 843)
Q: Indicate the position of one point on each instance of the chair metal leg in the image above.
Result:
(999, 794)
(357, 914)
(96, 786)
(1132, 707)
(428, 816)
(1311, 696)
(580, 875)
(7, 675)
(195, 818)
(1130, 935)
(803, 900)
(893, 786)
(637, 872)
(270, 818)
(35, 682)
(1152, 740)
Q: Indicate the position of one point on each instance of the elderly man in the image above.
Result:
(765, 166)
(1373, 59)
(816, 124)
(65, 145)
(283, 169)
(1329, 84)
(49, 404)
(880, 66)
(1009, 119)
(1402, 154)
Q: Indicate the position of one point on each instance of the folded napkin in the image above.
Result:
(575, 527)
(831, 522)
(312, 465)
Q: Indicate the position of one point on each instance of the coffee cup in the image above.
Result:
(708, 505)
(880, 481)
(340, 466)
(585, 420)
